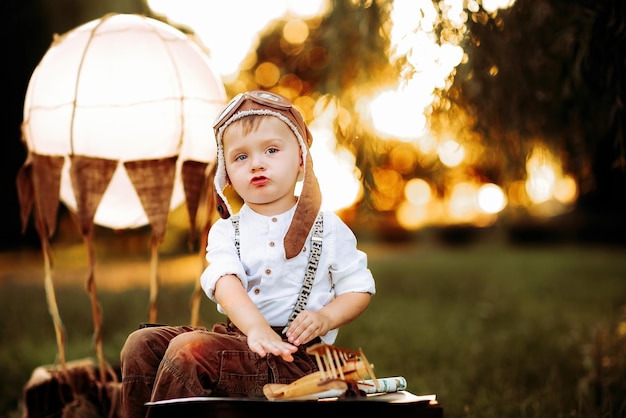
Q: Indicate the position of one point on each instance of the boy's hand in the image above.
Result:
(307, 326)
(264, 341)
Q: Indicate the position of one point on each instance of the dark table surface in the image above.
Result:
(258, 408)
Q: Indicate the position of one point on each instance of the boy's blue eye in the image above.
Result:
(272, 150)
(240, 157)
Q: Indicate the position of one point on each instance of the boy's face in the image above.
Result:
(263, 164)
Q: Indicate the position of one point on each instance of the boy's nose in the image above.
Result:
(257, 163)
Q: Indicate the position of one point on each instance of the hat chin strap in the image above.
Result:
(307, 208)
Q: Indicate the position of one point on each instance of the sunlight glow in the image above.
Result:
(230, 29)
(493, 5)
(334, 167)
(394, 114)
(401, 113)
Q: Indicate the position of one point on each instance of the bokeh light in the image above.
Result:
(491, 198)
(428, 37)
(462, 205)
(451, 153)
(296, 31)
(541, 176)
(418, 192)
(410, 216)
(566, 190)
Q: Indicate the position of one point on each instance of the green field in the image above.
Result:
(494, 330)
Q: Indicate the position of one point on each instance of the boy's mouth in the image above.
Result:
(259, 181)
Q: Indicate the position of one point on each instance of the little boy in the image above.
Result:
(285, 274)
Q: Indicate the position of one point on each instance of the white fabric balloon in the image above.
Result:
(123, 87)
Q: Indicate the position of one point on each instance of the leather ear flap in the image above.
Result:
(308, 207)
(221, 207)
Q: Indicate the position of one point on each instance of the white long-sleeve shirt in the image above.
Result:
(273, 282)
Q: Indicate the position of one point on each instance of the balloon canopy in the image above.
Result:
(121, 109)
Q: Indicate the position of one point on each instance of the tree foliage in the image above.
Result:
(551, 71)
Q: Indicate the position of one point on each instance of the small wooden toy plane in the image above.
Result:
(339, 370)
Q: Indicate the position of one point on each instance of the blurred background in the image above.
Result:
(457, 115)
(477, 139)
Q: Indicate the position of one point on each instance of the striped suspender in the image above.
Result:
(235, 220)
(311, 268)
(309, 275)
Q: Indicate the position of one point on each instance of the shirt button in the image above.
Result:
(272, 243)
(274, 220)
(257, 291)
(268, 272)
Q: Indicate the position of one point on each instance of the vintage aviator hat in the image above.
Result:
(259, 102)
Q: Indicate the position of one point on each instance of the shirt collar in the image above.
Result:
(255, 216)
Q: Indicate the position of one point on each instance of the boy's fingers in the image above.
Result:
(287, 357)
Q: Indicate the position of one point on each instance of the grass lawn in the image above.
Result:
(492, 329)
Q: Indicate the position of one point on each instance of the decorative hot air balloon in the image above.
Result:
(117, 121)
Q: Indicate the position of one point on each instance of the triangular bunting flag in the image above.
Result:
(154, 182)
(194, 177)
(47, 185)
(25, 192)
(90, 179)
